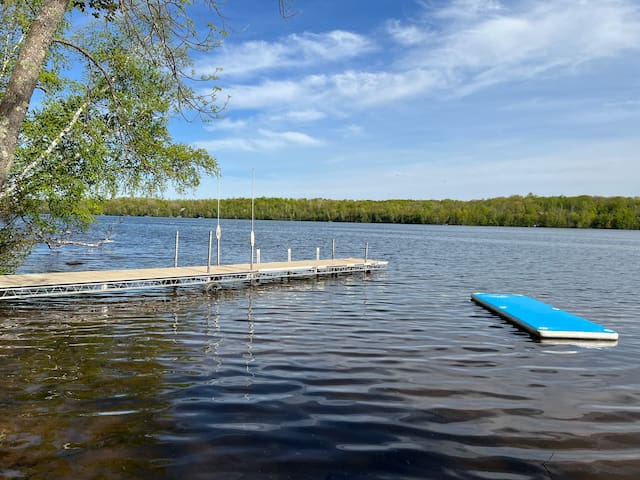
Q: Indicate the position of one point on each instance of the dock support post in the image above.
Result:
(366, 251)
(209, 255)
(333, 249)
(175, 259)
(258, 256)
(317, 253)
(289, 255)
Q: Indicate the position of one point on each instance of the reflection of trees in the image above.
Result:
(94, 388)
(80, 388)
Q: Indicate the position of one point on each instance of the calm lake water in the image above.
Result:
(392, 375)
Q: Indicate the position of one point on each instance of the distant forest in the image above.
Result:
(517, 211)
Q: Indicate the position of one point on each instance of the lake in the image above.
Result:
(390, 375)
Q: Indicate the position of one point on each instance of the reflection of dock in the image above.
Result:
(73, 283)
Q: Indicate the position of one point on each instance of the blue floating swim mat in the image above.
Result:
(541, 319)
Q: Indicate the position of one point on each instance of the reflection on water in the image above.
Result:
(77, 389)
(391, 375)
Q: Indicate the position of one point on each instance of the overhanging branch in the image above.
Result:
(91, 59)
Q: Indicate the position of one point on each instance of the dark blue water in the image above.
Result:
(389, 375)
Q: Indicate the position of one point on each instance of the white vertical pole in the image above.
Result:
(218, 235)
(252, 239)
(258, 256)
(366, 251)
(289, 255)
(218, 229)
(209, 255)
(317, 253)
(175, 260)
(333, 249)
(252, 242)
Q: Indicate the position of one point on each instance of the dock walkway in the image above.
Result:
(36, 285)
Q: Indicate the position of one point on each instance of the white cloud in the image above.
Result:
(266, 94)
(488, 44)
(331, 46)
(289, 138)
(262, 140)
(376, 88)
(408, 35)
(225, 124)
(300, 116)
(352, 131)
(461, 10)
(538, 38)
(344, 90)
(295, 50)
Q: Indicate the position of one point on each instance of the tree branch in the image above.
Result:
(89, 57)
(8, 53)
(12, 185)
(285, 8)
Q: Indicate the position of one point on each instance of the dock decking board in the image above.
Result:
(73, 283)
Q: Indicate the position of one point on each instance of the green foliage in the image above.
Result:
(515, 211)
(14, 247)
(103, 133)
(107, 8)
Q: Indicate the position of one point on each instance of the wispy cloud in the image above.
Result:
(296, 50)
(492, 44)
(261, 140)
(300, 116)
(271, 93)
(226, 124)
(334, 92)
(408, 34)
(289, 138)
(483, 43)
(379, 88)
(352, 131)
(460, 10)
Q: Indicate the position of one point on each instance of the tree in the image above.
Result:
(38, 34)
(99, 125)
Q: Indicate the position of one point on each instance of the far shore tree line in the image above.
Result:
(517, 211)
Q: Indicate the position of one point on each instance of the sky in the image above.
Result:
(425, 99)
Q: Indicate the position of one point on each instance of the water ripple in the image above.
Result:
(388, 376)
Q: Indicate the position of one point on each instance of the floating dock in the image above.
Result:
(541, 319)
(38, 285)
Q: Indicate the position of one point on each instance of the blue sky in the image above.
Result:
(426, 99)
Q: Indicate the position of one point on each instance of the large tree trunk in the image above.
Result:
(15, 102)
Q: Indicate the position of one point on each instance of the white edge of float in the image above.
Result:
(611, 335)
(586, 343)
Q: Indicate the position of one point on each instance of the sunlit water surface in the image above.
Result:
(388, 375)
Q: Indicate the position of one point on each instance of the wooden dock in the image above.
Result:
(38, 285)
